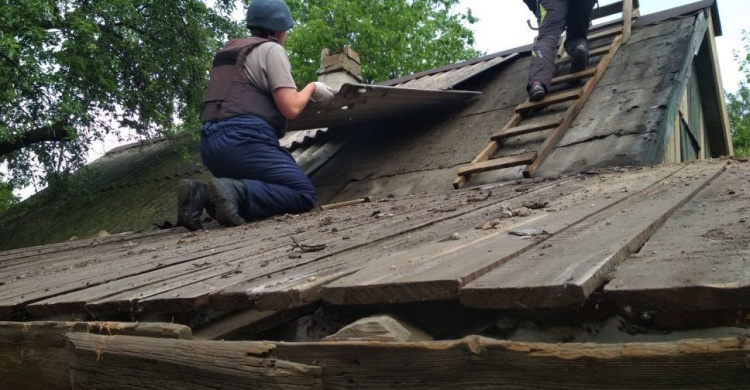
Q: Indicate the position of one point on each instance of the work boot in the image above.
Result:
(579, 58)
(191, 199)
(537, 91)
(227, 197)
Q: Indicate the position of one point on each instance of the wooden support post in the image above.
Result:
(627, 20)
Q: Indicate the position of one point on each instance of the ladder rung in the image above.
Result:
(593, 53)
(606, 10)
(550, 100)
(526, 129)
(584, 74)
(498, 163)
(610, 9)
(605, 33)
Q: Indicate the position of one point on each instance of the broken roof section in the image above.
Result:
(626, 122)
(358, 103)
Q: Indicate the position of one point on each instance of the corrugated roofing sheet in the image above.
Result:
(359, 103)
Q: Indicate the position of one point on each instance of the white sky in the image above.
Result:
(502, 25)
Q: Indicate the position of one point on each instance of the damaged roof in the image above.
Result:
(534, 244)
(132, 188)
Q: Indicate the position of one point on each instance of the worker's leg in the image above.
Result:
(553, 14)
(578, 20)
(247, 149)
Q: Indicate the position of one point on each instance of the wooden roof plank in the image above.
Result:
(436, 270)
(250, 256)
(700, 259)
(299, 284)
(571, 265)
(282, 291)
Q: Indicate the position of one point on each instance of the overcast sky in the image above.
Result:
(502, 25)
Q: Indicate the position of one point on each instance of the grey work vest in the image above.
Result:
(231, 94)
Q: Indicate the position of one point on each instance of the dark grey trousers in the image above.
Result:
(555, 16)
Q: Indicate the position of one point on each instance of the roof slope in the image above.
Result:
(623, 123)
(464, 246)
(132, 189)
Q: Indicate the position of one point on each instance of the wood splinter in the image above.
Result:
(332, 206)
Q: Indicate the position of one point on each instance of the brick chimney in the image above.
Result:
(339, 69)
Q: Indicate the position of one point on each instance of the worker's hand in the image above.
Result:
(323, 93)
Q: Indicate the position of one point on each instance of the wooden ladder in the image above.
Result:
(515, 127)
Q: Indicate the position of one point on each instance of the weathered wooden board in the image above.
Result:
(83, 269)
(571, 265)
(15, 268)
(299, 284)
(186, 284)
(127, 362)
(700, 259)
(194, 257)
(479, 363)
(303, 286)
(437, 270)
(32, 354)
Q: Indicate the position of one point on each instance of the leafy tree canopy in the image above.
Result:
(738, 105)
(72, 71)
(392, 37)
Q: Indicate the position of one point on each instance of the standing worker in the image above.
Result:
(250, 97)
(553, 17)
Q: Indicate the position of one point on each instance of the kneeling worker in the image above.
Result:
(250, 97)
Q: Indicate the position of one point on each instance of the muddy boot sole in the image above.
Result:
(186, 205)
(223, 201)
(579, 61)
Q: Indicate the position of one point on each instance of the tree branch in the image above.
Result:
(55, 132)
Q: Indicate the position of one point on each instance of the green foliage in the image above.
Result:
(7, 198)
(89, 68)
(392, 37)
(738, 105)
(75, 71)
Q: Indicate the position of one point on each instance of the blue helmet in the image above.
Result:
(272, 15)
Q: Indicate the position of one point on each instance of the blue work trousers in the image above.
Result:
(246, 148)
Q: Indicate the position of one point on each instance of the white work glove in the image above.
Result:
(323, 94)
